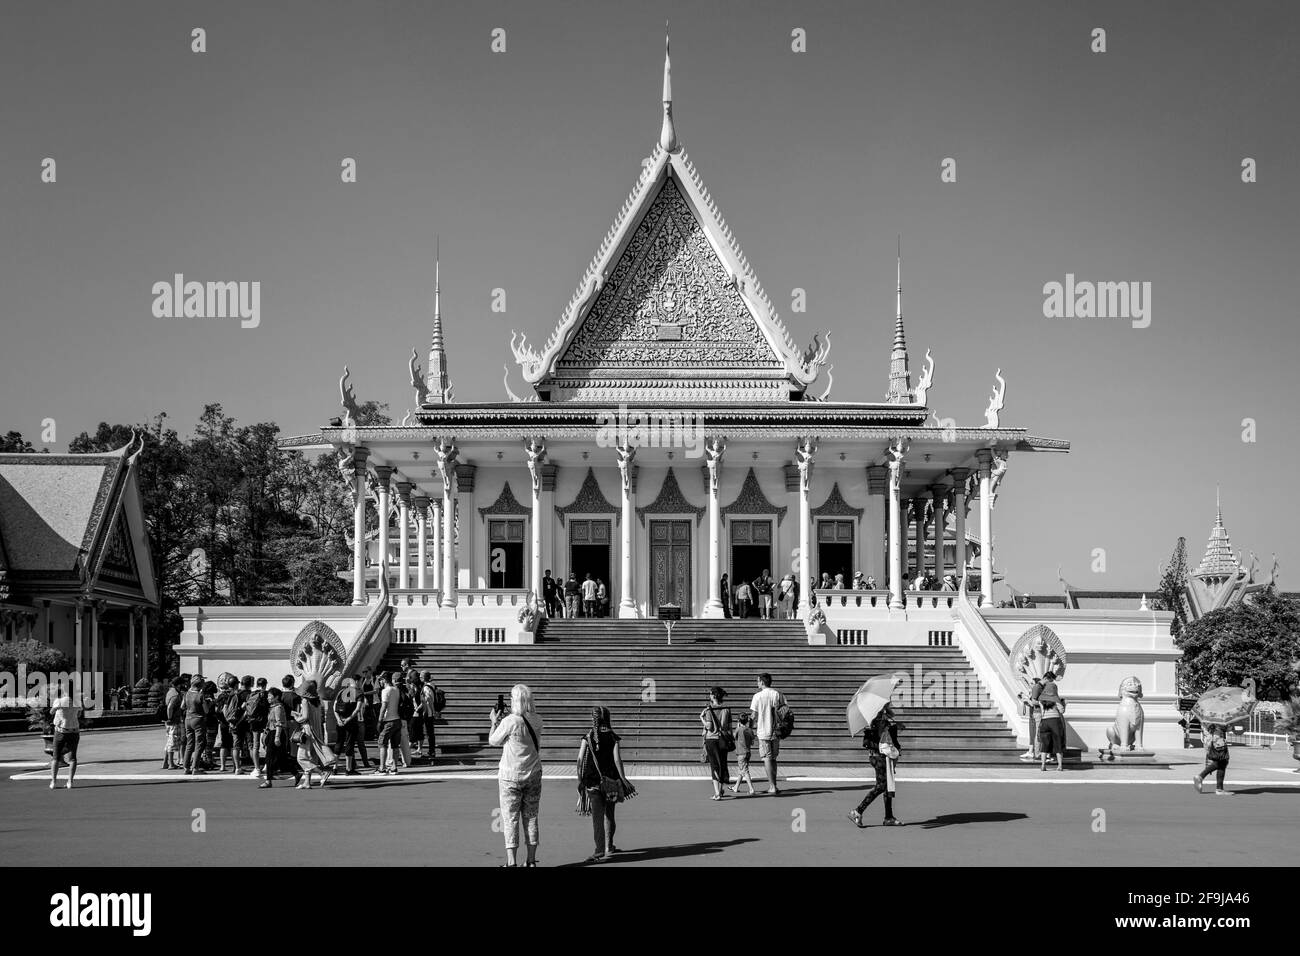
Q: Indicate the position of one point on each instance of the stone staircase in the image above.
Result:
(655, 691)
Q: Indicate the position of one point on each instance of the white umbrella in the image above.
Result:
(870, 700)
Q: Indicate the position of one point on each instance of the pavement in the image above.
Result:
(123, 811)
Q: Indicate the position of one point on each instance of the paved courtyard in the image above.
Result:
(125, 812)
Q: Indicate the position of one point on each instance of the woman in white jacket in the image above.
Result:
(519, 776)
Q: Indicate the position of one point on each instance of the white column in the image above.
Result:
(94, 636)
(714, 449)
(897, 534)
(421, 541)
(144, 640)
(447, 471)
(435, 539)
(536, 451)
(359, 457)
(383, 478)
(960, 505)
(918, 512)
(986, 528)
(404, 542)
(875, 551)
(805, 452)
(626, 598)
(77, 610)
(937, 497)
(130, 644)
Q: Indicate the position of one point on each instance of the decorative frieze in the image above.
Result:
(671, 501)
(752, 501)
(590, 501)
(506, 504)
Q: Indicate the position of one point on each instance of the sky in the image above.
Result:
(1123, 165)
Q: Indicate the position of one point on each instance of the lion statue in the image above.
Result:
(1126, 732)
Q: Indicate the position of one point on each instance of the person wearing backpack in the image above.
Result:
(253, 725)
(766, 711)
(432, 701)
(228, 715)
(718, 739)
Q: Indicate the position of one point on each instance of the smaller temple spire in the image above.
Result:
(900, 379)
(1219, 559)
(668, 133)
(436, 379)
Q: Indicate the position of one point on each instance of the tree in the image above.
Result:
(14, 442)
(1258, 638)
(1173, 587)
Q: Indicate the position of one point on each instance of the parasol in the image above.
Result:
(1223, 705)
(870, 700)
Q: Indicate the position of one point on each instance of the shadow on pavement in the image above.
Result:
(1255, 791)
(957, 819)
(668, 852)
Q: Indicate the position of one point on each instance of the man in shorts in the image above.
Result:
(763, 710)
(390, 726)
(67, 734)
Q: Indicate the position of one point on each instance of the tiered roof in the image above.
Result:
(1219, 559)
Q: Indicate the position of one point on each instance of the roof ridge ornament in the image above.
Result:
(668, 133)
(996, 401)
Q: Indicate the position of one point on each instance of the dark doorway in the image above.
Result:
(589, 552)
(835, 550)
(751, 555)
(505, 553)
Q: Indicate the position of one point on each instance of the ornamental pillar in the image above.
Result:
(875, 551)
(626, 470)
(985, 457)
(938, 495)
(960, 506)
(805, 452)
(713, 450)
(404, 542)
(383, 477)
(435, 540)
(897, 453)
(446, 452)
(359, 456)
(536, 450)
(421, 503)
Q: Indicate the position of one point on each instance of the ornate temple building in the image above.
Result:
(671, 431)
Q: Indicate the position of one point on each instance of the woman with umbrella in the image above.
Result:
(872, 713)
(1216, 709)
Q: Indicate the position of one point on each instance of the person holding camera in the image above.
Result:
(519, 775)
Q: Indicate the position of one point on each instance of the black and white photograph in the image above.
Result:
(755, 437)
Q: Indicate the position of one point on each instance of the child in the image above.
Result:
(1216, 759)
(744, 744)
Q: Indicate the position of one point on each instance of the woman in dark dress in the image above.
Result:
(602, 782)
(716, 720)
(884, 728)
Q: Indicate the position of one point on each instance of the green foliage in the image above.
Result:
(13, 441)
(1258, 638)
(1173, 585)
(34, 655)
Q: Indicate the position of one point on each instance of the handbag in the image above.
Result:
(610, 787)
(725, 737)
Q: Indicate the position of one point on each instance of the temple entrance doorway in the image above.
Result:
(835, 550)
(589, 553)
(505, 553)
(670, 565)
(751, 554)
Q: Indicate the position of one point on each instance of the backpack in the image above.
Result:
(405, 706)
(439, 700)
(256, 709)
(784, 720)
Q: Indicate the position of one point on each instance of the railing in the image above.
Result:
(499, 597)
(415, 597)
(992, 663)
(845, 598)
(855, 637)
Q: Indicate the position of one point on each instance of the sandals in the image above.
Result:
(855, 818)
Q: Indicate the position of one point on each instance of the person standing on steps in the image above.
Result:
(880, 739)
(764, 588)
(519, 775)
(744, 598)
(588, 596)
(724, 589)
(763, 712)
(571, 594)
(716, 721)
(549, 595)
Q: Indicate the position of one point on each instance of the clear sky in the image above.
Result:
(1115, 166)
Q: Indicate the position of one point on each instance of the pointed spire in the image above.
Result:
(436, 378)
(900, 379)
(668, 134)
(1219, 559)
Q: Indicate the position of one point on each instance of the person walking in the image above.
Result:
(66, 718)
(588, 597)
(744, 748)
(763, 709)
(744, 599)
(550, 596)
(880, 739)
(195, 707)
(602, 782)
(313, 754)
(1216, 760)
(785, 597)
(277, 739)
(519, 775)
(716, 722)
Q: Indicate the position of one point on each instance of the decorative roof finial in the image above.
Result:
(900, 379)
(668, 134)
(438, 391)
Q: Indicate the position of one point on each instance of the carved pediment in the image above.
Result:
(670, 501)
(836, 506)
(752, 501)
(506, 504)
(590, 501)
